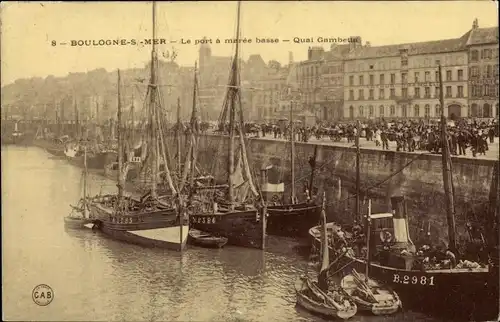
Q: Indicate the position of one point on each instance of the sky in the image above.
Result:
(28, 29)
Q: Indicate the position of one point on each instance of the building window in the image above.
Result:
(404, 110)
(488, 71)
(370, 111)
(393, 78)
(381, 110)
(437, 76)
(361, 94)
(361, 111)
(427, 92)
(448, 91)
(493, 89)
(404, 92)
(351, 112)
(393, 92)
(474, 55)
(404, 78)
(460, 74)
(438, 110)
(448, 75)
(416, 111)
(486, 90)
(392, 110)
(381, 94)
(486, 110)
(361, 81)
(382, 79)
(372, 79)
(496, 70)
(351, 95)
(417, 74)
(370, 94)
(473, 111)
(351, 80)
(427, 110)
(417, 92)
(474, 71)
(404, 62)
(427, 76)
(460, 91)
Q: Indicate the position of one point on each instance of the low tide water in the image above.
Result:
(98, 279)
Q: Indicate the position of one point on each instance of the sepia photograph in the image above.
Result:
(250, 161)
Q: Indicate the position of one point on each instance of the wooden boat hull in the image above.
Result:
(461, 294)
(195, 238)
(382, 307)
(77, 223)
(99, 161)
(158, 229)
(293, 220)
(240, 227)
(313, 306)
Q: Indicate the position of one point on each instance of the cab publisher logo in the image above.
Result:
(42, 295)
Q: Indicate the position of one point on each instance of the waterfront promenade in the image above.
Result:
(493, 152)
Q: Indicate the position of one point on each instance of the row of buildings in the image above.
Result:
(356, 80)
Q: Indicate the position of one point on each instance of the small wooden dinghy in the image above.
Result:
(77, 220)
(313, 299)
(202, 239)
(369, 295)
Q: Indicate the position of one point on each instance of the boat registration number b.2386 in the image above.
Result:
(406, 279)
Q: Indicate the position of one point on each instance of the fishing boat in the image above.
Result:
(293, 218)
(202, 239)
(324, 297)
(370, 295)
(234, 215)
(462, 292)
(79, 217)
(148, 221)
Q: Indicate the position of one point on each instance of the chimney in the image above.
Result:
(475, 24)
(354, 42)
(367, 44)
(290, 58)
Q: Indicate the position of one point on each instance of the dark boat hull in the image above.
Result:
(460, 294)
(98, 161)
(241, 227)
(158, 229)
(293, 220)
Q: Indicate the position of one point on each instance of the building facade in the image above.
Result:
(483, 71)
(401, 81)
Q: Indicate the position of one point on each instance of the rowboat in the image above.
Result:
(370, 296)
(202, 239)
(311, 298)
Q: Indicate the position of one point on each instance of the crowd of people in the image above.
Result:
(409, 135)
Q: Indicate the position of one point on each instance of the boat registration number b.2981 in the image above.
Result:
(406, 279)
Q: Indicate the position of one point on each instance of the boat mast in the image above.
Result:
(358, 178)
(85, 180)
(194, 133)
(233, 88)
(179, 166)
(153, 115)
(292, 141)
(121, 182)
(368, 233)
(447, 179)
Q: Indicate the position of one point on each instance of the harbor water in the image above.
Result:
(97, 279)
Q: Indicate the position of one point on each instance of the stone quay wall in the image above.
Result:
(384, 174)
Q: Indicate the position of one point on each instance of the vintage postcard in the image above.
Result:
(250, 161)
